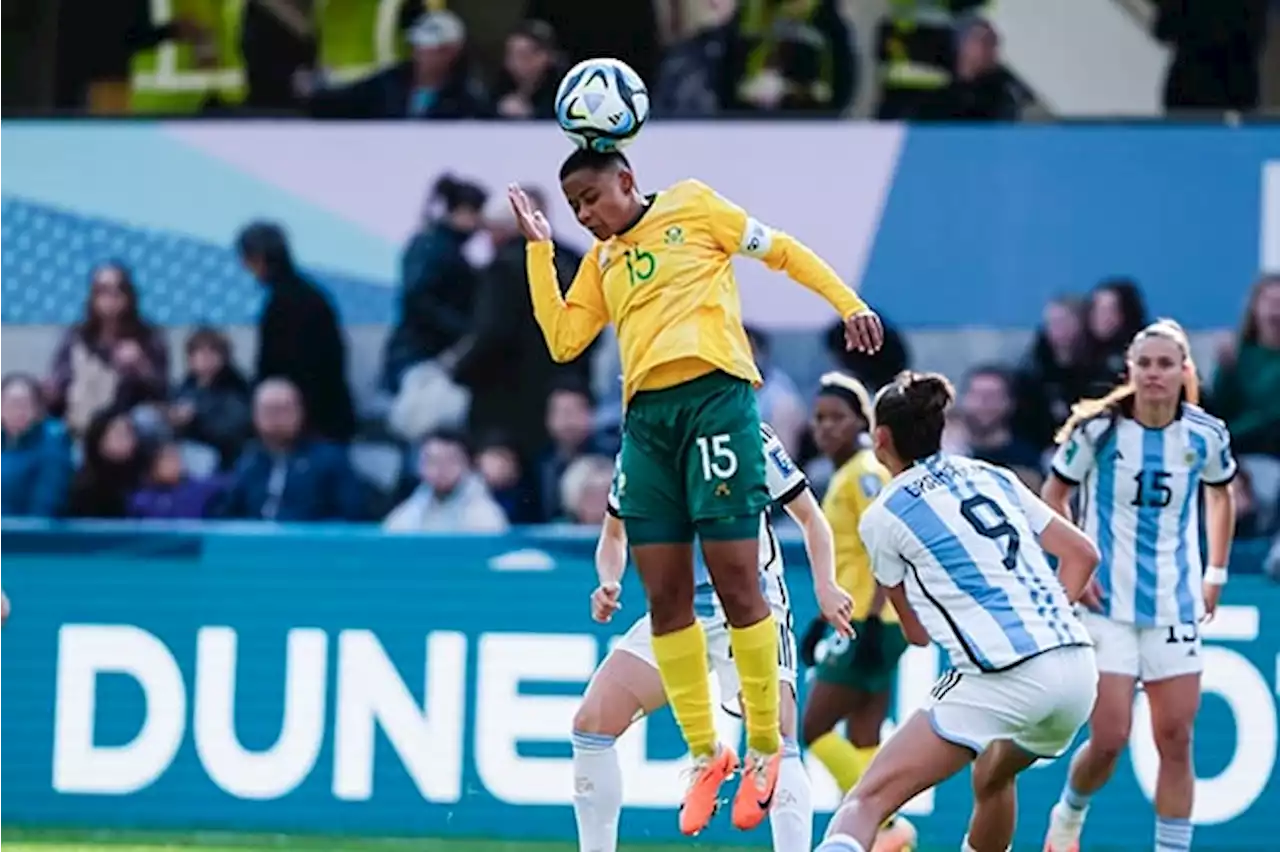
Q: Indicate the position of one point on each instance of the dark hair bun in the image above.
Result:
(928, 393)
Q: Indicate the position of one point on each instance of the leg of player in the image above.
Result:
(733, 562)
(1093, 762)
(623, 687)
(680, 649)
(791, 817)
(912, 761)
(1174, 704)
(826, 704)
(995, 797)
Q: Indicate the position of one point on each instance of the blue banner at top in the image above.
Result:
(940, 227)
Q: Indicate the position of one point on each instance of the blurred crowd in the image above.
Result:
(471, 425)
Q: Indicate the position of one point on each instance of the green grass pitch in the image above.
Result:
(63, 841)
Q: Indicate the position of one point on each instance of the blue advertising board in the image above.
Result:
(339, 680)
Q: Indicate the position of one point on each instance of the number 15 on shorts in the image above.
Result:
(718, 458)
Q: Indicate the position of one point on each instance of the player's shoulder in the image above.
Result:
(1197, 419)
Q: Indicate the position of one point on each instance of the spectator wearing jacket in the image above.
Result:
(287, 475)
(36, 463)
(453, 497)
(211, 406)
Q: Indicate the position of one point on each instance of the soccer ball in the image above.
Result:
(602, 104)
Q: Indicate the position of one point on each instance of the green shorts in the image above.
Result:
(692, 463)
(838, 667)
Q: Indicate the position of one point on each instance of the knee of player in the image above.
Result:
(1173, 740)
(743, 602)
(592, 717)
(1109, 741)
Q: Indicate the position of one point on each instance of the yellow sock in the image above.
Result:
(755, 654)
(840, 757)
(682, 663)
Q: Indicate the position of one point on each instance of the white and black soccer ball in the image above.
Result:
(602, 104)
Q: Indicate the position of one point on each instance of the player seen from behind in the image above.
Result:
(1139, 456)
(853, 679)
(960, 546)
(691, 465)
(627, 684)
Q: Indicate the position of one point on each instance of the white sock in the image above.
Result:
(1173, 834)
(965, 847)
(597, 792)
(841, 843)
(791, 817)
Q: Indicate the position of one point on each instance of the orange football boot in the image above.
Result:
(755, 792)
(702, 798)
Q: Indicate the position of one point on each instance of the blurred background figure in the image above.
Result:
(115, 462)
(299, 338)
(35, 467)
(530, 73)
(287, 474)
(1117, 311)
(986, 406)
(584, 490)
(452, 496)
(211, 405)
(169, 492)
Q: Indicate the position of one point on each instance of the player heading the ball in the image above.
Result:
(661, 270)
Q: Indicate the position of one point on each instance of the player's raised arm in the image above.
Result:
(739, 233)
(569, 323)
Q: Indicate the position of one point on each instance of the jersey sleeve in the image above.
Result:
(737, 232)
(1220, 466)
(1075, 457)
(784, 477)
(569, 323)
(1038, 513)
(877, 536)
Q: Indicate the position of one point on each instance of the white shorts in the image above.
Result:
(1149, 654)
(638, 641)
(1039, 705)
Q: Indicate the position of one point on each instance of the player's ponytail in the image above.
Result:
(913, 407)
(1121, 397)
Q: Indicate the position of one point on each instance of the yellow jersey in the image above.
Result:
(667, 285)
(853, 488)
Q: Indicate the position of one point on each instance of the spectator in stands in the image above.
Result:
(986, 408)
(35, 467)
(453, 497)
(569, 425)
(530, 72)
(278, 43)
(505, 362)
(874, 371)
(981, 89)
(695, 79)
(584, 490)
(628, 31)
(287, 475)
(169, 493)
(112, 357)
(435, 83)
(781, 405)
(1117, 312)
(115, 460)
(1246, 389)
(437, 282)
(299, 338)
(1216, 50)
(796, 57)
(499, 465)
(1054, 373)
(211, 406)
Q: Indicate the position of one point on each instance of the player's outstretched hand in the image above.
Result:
(533, 224)
(836, 607)
(864, 332)
(1212, 594)
(605, 601)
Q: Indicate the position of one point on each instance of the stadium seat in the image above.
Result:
(381, 464)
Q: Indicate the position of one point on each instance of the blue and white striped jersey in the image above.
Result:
(786, 481)
(1138, 493)
(962, 535)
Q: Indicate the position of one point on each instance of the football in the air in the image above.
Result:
(602, 104)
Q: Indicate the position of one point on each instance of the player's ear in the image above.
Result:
(627, 181)
(882, 444)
